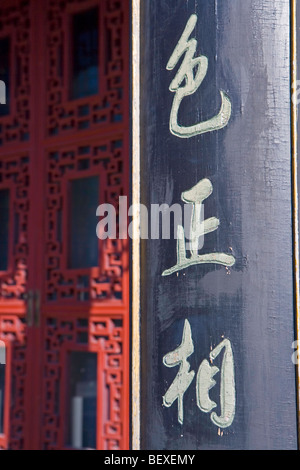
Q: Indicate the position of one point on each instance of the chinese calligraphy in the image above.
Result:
(196, 196)
(204, 381)
(184, 377)
(188, 79)
(192, 82)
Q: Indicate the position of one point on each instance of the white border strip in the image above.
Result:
(294, 132)
(136, 351)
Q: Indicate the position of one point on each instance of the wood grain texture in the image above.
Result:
(249, 164)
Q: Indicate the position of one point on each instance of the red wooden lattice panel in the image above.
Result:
(108, 106)
(48, 137)
(105, 336)
(14, 175)
(15, 24)
(15, 130)
(98, 127)
(13, 333)
(105, 158)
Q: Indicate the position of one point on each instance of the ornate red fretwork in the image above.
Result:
(47, 141)
(104, 282)
(15, 24)
(105, 336)
(12, 331)
(107, 106)
(14, 175)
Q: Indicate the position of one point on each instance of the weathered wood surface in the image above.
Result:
(247, 44)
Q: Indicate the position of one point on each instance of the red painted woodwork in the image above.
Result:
(47, 140)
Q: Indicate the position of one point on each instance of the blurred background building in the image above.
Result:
(64, 295)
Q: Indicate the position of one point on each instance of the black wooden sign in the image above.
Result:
(217, 291)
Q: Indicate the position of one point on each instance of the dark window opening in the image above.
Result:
(82, 400)
(85, 73)
(4, 76)
(4, 228)
(83, 241)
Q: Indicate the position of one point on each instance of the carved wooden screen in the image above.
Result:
(57, 297)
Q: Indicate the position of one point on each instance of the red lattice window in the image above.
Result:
(14, 186)
(106, 107)
(12, 332)
(105, 336)
(15, 28)
(59, 141)
(105, 159)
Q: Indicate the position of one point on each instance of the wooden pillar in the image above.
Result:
(217, 311)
